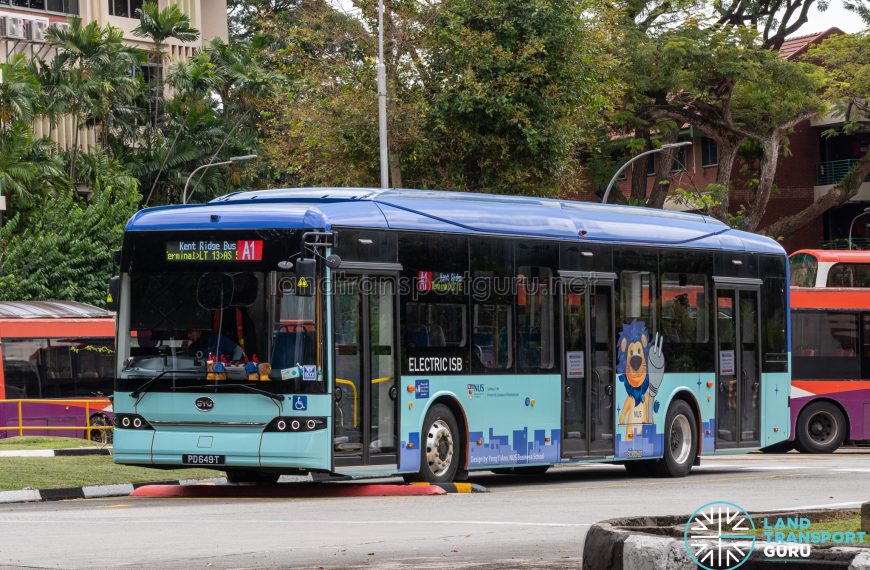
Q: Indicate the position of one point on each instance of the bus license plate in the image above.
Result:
(202, 459)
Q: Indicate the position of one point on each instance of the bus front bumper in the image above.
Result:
(238, 448)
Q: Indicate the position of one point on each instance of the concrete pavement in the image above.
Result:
(522, 522)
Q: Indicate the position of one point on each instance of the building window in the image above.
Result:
(680, 160)
(125, 8)
(709, 152)
(650, 165)
(60, 6)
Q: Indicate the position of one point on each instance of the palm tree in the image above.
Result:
(94, 65)
(18, 91)
(158, 26)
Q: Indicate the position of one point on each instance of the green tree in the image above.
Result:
(64, 248)
(508, 84)
(159, 26)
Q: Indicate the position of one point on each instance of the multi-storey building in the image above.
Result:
(23, 24)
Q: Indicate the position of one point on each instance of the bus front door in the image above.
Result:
(738, 397)
(365, 388)
(588, 372)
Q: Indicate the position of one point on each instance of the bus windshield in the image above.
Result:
(198, 327)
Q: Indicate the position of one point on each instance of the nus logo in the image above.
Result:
(475, 390)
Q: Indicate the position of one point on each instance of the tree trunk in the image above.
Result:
(639, 170)
(838, 195)
(664, 169)
(727, 156)
(770, 146)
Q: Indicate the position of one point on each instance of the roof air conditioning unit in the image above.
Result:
(36, 30)
(12, 27)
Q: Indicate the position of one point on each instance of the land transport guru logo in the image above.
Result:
(720, 536)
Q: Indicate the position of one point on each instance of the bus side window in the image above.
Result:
(492, 269)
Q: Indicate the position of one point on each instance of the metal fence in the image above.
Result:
(833, 171)
(19, 423)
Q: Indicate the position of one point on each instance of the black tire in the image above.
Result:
(681, 441)
(104, 436)
(640, 468)
(441, 448)
(781, 447)
(529, 470)
(821, 428)
(256, 477)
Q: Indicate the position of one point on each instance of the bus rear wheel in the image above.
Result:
(256, 477)
(441, 450)
(681, 441)
(821, 428)
(103, 435)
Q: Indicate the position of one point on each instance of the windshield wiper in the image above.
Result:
(273, 395)
(147, 385)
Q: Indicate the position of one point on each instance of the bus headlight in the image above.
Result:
(296, 424)
(131, 421)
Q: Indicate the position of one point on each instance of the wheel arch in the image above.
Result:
(687, 396)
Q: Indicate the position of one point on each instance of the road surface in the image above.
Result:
(523, 522)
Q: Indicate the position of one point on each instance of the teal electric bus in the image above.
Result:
(358, 331)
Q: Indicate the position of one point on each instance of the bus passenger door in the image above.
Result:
(365, 389)
(588, 372)
(738, 397)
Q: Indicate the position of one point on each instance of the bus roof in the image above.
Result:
(836, 255)
(51, 310)
(830, 298)
(457, 212)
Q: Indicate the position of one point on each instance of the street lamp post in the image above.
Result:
(382, 98)
(852, 224)
(667, 146)
(232, 160)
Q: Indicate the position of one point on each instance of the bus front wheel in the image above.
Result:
(441, 450)
(821, 428)
(681, 441)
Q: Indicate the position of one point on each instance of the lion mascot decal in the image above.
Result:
(640, 367)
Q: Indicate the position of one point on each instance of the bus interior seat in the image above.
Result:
(417, 336)
(436, 336)
(289, 349)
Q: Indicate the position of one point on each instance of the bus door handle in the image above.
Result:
(608, 389)
(755, 387)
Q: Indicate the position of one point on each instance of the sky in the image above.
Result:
(834, 16)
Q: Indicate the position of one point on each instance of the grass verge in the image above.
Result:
(39, 442)
(55, 472)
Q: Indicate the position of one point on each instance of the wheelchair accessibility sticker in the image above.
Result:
(300, 403)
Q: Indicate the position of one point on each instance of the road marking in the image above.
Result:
(325, 522)
(113, 506)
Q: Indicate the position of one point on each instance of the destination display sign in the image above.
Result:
(215, 250)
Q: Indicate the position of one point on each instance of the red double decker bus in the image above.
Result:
(57, 369)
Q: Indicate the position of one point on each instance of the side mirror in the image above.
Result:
(113, 293)
(306, 271)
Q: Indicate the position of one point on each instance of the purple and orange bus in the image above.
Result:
(830, 389)
(57, 369)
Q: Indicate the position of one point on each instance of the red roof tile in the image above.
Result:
(797, 45)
